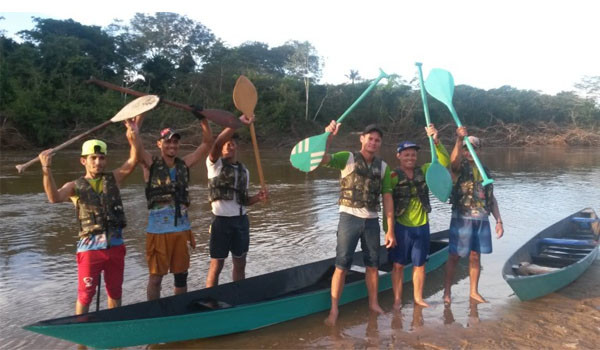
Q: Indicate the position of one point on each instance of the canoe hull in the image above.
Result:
(218, 322)
(535, 286)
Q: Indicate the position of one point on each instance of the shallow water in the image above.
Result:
(534, 187)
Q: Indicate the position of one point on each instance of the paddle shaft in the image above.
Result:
(98, 295)
(22, 167)
(257, 157)
(426, 110)
(362, 96)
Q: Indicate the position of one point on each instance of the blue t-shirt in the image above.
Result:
(161, 218)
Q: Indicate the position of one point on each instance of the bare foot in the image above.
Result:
(447, 298)
(332, 318)
(376, 308)
(397, 305)
(421, 303)
(478, 298)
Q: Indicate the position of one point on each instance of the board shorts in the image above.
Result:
(351, 229)
(412, 245)
(468, 235)
(91, 263)
(169, 252)
(229, 234)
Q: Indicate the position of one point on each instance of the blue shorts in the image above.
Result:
(468, 235)
(229, 234)
(412, 245)
(351, 229)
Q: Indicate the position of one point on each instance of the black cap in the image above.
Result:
(372, 127)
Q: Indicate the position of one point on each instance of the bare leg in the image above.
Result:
(81, 309)
(474, 273)
(154, 286)
(450, 272)
(239, 268)
(216, 265)
(112, 303)
(397, 279)
(418, 283)
(180, 290)
(337, 286)
(372, 281)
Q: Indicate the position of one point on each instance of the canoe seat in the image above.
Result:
(207, 304)
(584, 220)
(567, 242)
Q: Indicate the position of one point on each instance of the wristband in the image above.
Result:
(196, 111)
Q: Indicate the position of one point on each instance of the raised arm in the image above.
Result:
(133, 138)
(54, 195)
(456, 156)
(224, 136)
(333, 129)
(202, 151)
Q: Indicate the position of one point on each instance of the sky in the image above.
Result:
(546, 46)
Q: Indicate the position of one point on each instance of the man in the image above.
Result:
(364, 177)
(411, 206)
(228, 182)
(470, 232)
(169, 231)
(101, 218)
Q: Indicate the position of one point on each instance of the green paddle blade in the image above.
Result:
(440, 84)
(439, 181)
(307, 154)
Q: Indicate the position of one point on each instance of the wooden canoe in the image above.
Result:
(555, 257)
(229, 308)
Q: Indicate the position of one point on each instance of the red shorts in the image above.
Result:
(89, 265)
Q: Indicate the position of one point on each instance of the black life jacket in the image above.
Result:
(362, 187)
(224, 186)
(463, 193)
(402, 193)
(160, 188)
(99, 212)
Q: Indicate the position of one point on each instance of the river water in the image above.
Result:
(534, 187)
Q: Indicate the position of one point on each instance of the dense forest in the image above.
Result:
(44, 97)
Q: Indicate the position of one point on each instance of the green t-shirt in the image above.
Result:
(415, 215)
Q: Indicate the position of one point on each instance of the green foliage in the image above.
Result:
(44, 95)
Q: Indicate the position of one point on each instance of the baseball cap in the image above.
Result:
(475, 141)
(407, 144)
(93, 147)
(168, 133)
(372, 127)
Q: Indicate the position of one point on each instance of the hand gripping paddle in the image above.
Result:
(440, 85)
(437, 177)
(307, 154)
(134, 108)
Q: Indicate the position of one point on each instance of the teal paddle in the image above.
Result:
(440, 84)
(437, 177)
(307, 154)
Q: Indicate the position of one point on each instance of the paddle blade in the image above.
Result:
(136, 107)
(440, 84)
(439, 181)
(307, 154)
(245, 96)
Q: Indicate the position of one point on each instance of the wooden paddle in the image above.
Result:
(217, 116)
(307, 154)
(440, 85)
(134, 108)
(437, 177)
(245, 98)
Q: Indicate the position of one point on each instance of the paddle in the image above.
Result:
(307, 154)
(98, 295)
(245, 98)
(440, 84)
(437, 177)
(217, 116)
(134, 108)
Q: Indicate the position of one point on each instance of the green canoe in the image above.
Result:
(554, 257)
(229, 308)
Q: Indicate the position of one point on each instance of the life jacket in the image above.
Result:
(362, 187)
(463, 195)
(223, 186)
(402, 191)
(99, 212)
(160, 188)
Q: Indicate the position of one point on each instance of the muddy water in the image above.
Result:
(534, 187)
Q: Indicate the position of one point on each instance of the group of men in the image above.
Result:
(365, 178)
(101, 216)
(366, 181)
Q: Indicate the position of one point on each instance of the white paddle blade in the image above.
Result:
(308, 153)
(136, 107)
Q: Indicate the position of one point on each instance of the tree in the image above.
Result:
(353, 76)
(590, 86)
(305, 64)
